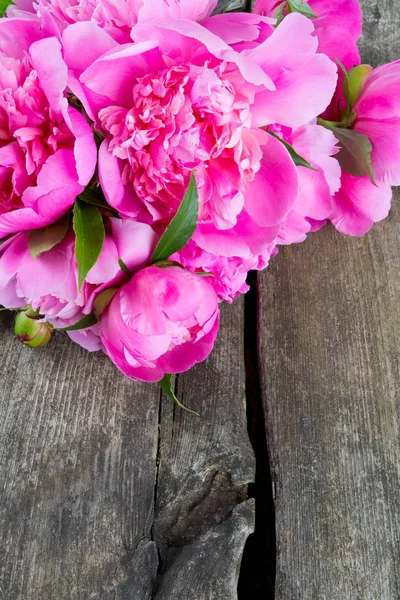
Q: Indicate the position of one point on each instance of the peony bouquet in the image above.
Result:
(153, 152)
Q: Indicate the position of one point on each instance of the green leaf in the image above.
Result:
(201, 274)
(182, 226)
(298, 160)
(279, 13)
(4, 4)
(163, 264)
(43, 240)
(103, 300)
(84, 323)
(346, 85)
(166, 385)
(124, 267)
(301, 7)
(89, 231)
(354, 156)
(96, 198)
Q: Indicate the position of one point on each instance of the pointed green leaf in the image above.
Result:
(223, 6)
(84, 323)
(298, 160)
(346, 85)
(43, 240)
(166, 385)
(182, 226)
(301, 7)
(279, 13)
(103, 300)
(354, 156)
(96, 197)
(89, 231)
(163, 264)
(124, 268)
(4, 4)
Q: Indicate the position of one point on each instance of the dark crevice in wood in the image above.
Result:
(257, 574)
(158, 456)
(157, 474)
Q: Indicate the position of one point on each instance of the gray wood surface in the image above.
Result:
(329, 349)
(107, 493)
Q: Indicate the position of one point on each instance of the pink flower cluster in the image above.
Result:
(110, 108)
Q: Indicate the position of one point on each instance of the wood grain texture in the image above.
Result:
(84, 458)
(205, 466)
(329, 343)
(77, 472)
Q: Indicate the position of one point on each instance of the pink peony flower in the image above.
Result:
(49, 282)
(314, 205)
(378, 116)
(116, 17)
(337, 24)
(359, 204)
(164, 320)
(47, 150)
(181, 99)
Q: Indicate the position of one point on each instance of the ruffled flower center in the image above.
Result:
(186, 117)
(29, 131)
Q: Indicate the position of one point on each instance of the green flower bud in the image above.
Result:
(30, 330)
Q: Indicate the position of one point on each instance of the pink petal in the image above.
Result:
(55, 193)
(188, 38)
(359, 204)
(159, 10)
(52, 71)
(135, 242)
(275, 188)
(121, 197)
(17, 35)
(297, 72)
(85, 150)
(106, 267)
(112, 76)
(83, 44)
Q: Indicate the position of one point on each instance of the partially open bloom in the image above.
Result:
(47, 150)
(49, 283)
(374, 112)
(337, 25)
(31, 330)
(377, 113)
(164, 320)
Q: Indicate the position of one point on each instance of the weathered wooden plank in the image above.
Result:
(329, 318)
(79, 449)
(77, 471)
(205, 466)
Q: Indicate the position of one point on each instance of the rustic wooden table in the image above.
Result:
(107, 491)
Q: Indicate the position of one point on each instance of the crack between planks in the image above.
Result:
(158, 457)
(258, 568)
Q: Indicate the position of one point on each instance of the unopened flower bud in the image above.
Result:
(30, 330)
